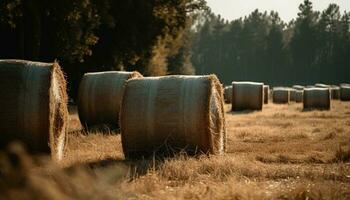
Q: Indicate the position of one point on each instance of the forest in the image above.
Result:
(162, 37)
(314, 47)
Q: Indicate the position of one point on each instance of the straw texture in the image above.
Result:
(100, 95)
(299, 95)
(281, 95)
(33, 102)
(345, 92)
(247, 96)
(228, 94)
(266, 94)
(317, 98)
(167, 114)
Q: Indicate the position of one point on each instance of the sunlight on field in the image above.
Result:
(280, 153)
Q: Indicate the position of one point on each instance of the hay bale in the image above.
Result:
(299, 94)
(281, 95)
(33, 102)
(266, 94)
(317, 98)
(228, 94)
(335, 92)
(247, 96)
(173, 113)
(292, 96)
(298, 87)
(345, 92)
(100, 95)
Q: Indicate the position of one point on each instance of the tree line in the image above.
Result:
(95, 35)
(314, 47)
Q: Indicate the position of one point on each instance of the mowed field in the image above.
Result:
(279, 153)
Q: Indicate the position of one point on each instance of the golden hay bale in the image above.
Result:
(317, 98)
(266, 94)
(247, 96)
(173, 113)
(100, 95)
(228, 94)
(298, 87)
(281, 95)
(33, 102)
(299, 94)
(345, 92)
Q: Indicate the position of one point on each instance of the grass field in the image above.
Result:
(280, 153)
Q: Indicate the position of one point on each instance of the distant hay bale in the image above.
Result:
(281, 95)
(247, 96)
(298, 87)
(299, 96)
(292, 94)
(335, 92)
(321, 85)
(100, 95)
(228, 94)
(33, 102)
(173, 113)
(345, 92)
(317, 98)
(266, 94)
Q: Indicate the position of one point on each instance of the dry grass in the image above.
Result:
(280, 153)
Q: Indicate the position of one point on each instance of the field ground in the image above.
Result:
(279, 153)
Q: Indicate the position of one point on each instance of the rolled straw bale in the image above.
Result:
(228, 94)
(345, 92)
(310, 86)
(317, 98)
(247, 96)
(100, 95)
(299, 96)
(281, 95)
(335, 92)
(266, 94)
(298, 87)
(173, 113)
(292, 94)
(33, 102)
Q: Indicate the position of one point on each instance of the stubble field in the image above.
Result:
(279, 153)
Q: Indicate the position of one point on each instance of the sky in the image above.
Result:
(287, 9)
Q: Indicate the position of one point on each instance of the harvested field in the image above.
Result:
(279, 153)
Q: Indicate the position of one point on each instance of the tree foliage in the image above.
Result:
(312, 48)
(95, 35)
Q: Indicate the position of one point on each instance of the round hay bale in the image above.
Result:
(33, 102)
(169, 114)
(281, 95)
(298, 87)
(100, 95)
(335, 92)
(317, 98)
(299, 94)
(266, 94)
(345, 92)
(292, 94)
(247, 96)
(228, 94)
